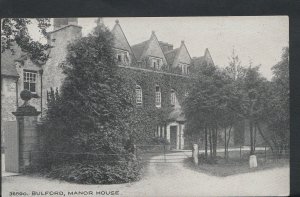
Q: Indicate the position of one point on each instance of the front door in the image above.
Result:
(173, 137)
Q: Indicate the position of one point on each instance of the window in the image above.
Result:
(173, 97)
(126, 57)
(30, 81)
(157, 97)
(154, 64)
(139, 95)
(119, 57)
(184, 69)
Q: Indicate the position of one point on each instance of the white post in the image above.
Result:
(177, 136)
(252, 161)
(195, 154)
(182, 136)
(168, 133)
(159, 134)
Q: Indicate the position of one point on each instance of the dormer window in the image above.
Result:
(119, 57)
(126, 58)
(122, 56)
(157, 97)
(184, 68)
(156, 63)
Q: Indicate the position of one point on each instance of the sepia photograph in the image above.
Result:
(145, 106)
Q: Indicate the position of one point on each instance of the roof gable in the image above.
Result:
(208, 57)
(199, 61)
(182, 56)
(150, 47)
(120, 40)
(153, 48)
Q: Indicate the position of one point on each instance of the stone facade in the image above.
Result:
(52, 70)
(8, 98)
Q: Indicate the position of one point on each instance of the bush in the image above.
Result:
(97, 172)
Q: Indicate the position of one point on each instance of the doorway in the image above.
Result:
(173, 137)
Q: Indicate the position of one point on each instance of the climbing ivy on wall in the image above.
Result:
(145, 118)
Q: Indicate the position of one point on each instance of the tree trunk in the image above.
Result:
(251, 137)
(228, 140)
(210, 142)
(263, 136)
(205, 136)
(254, 139)
(215, 139)
(225, 144)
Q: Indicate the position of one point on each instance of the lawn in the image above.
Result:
(234, 165)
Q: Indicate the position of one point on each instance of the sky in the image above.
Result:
(258, 39)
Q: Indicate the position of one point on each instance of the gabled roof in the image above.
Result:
(121, 41)
(173, 55)
(141, 49)
(8, 65)
(138, 49)
(170, 55)
(208, 56)
(198, 61)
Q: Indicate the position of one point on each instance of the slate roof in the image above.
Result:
(198, 61)
(118, 43)
(8, 65)
(170, 55)
(138, 49)
(165, 46)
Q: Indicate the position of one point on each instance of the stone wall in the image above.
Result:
(29, 65)
(53, 73)
(8, 98)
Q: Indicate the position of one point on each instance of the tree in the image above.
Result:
(90, 115)
(276, 113)
(206, 108)
(15, 31)
(249, 99)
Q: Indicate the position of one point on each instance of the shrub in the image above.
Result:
(97, 172)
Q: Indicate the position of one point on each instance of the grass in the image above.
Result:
(233, 166)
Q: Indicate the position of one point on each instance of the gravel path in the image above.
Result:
(166, 179)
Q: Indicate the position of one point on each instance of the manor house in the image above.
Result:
(169, 65)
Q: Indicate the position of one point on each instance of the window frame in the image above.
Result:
(138, 95)
(156, 62)
(30, 80)
(157, 97)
